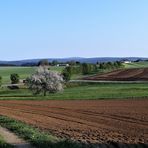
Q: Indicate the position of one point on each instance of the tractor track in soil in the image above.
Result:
(91, 121)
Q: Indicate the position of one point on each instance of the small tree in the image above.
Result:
(14, 78)
(44, 81)
(86, 68)
(67, 72)
(54, 62)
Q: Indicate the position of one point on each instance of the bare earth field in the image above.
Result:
(135, 74)
(87, 121)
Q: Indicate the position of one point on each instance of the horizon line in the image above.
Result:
(71, 58)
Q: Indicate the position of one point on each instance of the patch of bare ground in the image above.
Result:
(134, 74)
(91, 121)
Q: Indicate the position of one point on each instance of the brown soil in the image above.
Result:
(137, 74)
(87, 121)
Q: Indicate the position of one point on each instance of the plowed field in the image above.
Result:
(88, 121)
(136, 74)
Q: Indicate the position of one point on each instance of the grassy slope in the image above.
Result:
(55, 68)
(142, 64)
(22, 71)
(95, 91)
(26, 71)
(87, 91)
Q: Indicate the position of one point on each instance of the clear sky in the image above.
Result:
(73, 28)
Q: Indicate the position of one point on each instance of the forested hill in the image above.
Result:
(63, 60)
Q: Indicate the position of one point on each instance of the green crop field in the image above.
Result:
(83, 91)
(27, 71)
(142, 64)
(75, 91)
(23, 72)
(56, 68)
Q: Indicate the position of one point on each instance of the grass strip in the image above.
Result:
(36, 137)
(79, 91)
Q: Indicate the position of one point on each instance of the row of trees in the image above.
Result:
(55, 62)
(86, 68)
(110, 65)
(115, 64)
(81, 69)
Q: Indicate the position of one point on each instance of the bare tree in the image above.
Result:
(44, 81)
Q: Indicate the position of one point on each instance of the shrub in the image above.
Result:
(86, 68)
(66, 75)
(14, 78)
(69, 71)
(13, 87)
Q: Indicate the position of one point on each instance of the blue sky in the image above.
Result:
(73, 28)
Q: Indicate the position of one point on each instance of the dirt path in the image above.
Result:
(13, 139)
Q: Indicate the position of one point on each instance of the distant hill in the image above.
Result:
(79, 59)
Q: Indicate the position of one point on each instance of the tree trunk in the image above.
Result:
(45, 93)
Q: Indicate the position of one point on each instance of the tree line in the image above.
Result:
(86, 68)
(110, 65)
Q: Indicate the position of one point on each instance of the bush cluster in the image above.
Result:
(110, 65)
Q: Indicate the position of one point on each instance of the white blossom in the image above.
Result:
(45, 81)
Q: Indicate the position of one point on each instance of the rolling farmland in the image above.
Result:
(87, 113)
(135, 74)
(85, 121)
(23, 72)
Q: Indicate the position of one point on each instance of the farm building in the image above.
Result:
(58, 65)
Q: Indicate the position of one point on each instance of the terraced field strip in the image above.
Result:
(87, 121)
(134, 74)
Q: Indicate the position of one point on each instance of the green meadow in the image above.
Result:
(23, 72)
(74, 90)
(82, 91)
(142, 64)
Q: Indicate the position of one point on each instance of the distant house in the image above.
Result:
(58, 65)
